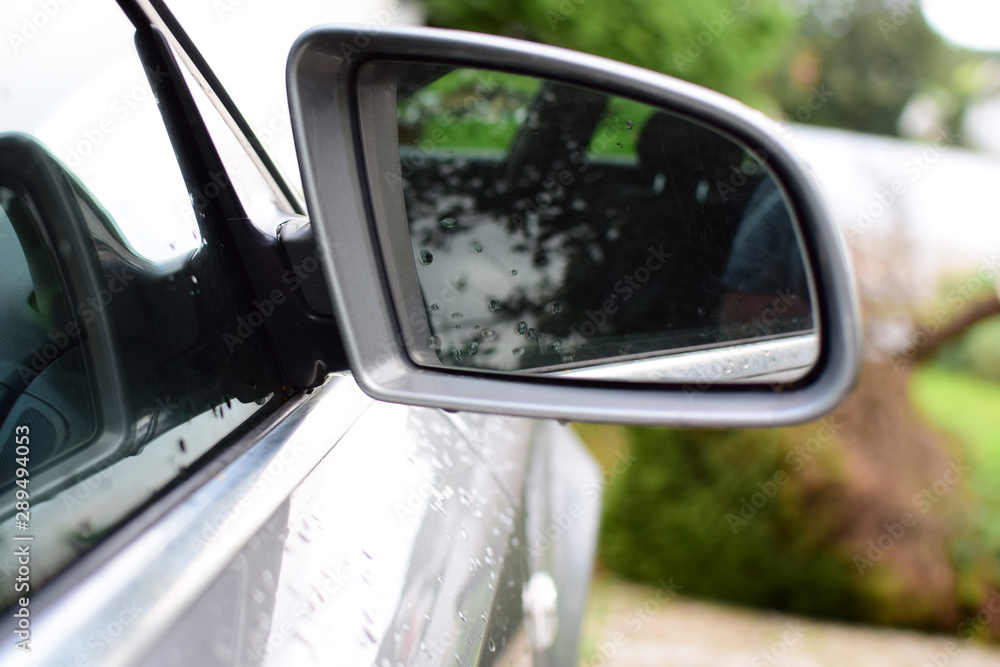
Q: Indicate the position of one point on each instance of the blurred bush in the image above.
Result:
(836, 518)
(719, 511)
(859, 65)
(721, 44)
(855, 65)
(976, 352)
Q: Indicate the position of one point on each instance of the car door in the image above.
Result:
(212, 501)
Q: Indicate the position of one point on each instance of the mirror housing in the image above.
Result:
(331, 118)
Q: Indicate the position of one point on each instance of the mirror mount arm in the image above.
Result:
(300, 344)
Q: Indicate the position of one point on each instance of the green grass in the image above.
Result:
(968, 409)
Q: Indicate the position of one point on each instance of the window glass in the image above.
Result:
(116, 372)
(263, 36)
(75, 83)
(555, 227)
(258, 199)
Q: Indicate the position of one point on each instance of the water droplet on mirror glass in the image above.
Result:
(448, 223)
(517, 351)
(456, 316)
(477, 247)
(619, 144)
(456, 353)
(531, 333)
(434, 306)
(555, 307)
(426, 257)
(495, 305)
(473, 347)
(434, 342)
(488, 334)
(493, 646)
(521, 328)
(513, 272)
(628, 124)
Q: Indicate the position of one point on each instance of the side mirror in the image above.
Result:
(523, 229)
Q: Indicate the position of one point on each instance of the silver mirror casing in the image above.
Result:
(327, 125)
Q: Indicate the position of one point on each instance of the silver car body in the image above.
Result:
(349, 532)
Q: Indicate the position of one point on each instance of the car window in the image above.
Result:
(258, 199)
(122, 357)
(263, 37)
(94, 116)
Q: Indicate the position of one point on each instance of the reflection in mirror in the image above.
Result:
(551, 228)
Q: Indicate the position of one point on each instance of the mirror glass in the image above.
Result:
(538, 227)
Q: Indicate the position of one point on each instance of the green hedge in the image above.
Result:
(687, 509)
